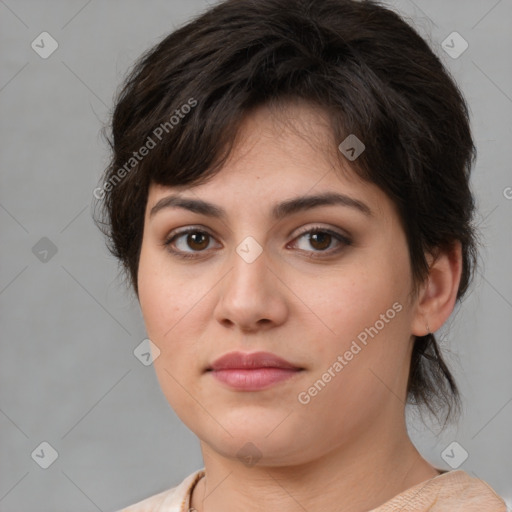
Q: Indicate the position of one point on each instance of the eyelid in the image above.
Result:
(323, 229)
(185, 230)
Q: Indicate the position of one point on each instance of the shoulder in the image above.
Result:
(452, 491)
(175, 499)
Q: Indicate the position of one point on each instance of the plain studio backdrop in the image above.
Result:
(74, 397)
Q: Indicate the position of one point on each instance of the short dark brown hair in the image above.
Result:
(357, 61)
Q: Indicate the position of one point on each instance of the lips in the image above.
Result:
(245, 361)
(252, 372)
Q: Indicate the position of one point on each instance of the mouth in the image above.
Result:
(252, 372)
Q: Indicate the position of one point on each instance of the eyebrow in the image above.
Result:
(279, 211)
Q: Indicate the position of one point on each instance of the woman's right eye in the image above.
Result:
(188, 243)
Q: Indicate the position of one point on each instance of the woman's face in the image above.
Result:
(251, 277)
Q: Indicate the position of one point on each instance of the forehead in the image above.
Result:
(284, 152)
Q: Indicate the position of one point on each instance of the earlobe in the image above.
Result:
(437, 297)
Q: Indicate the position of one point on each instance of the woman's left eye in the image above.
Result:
(321, 240)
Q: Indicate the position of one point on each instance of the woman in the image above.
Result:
(289, 195)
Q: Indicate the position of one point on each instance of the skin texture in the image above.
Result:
(301, 303)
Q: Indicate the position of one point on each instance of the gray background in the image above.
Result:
(68, 373)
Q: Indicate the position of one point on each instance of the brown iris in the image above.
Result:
(320, 240)
(197, 240)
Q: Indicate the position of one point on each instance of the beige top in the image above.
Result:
(452, 491)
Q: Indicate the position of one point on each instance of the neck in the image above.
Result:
(356, 477)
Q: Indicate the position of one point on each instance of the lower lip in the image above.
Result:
(253, 380)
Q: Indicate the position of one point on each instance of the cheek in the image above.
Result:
(347, 301)
(174, 306)
(162, 300)
(364, 305)
(163, 295)
(167, 307)
(155, 300)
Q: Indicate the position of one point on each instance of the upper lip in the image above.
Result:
(243, 360)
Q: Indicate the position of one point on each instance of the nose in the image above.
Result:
(252, 297)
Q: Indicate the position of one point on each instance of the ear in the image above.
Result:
(438, 294)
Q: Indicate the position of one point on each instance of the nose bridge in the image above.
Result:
(249, 250)
(250, 296)
(250, 266)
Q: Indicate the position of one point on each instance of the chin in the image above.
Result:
(268, 442)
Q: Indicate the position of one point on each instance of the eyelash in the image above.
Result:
(344, 240)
